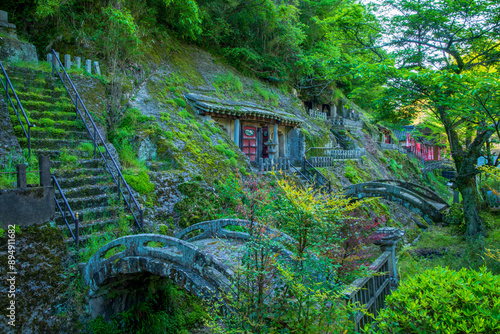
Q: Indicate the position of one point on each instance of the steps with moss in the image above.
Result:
(57, 133)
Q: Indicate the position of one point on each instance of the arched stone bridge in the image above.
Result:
(203, 264)
(421, 200)
(440, 164)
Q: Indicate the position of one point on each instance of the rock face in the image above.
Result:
(13, 50)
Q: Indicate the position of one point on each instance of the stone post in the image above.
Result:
(97, 69)
(49, 58)
(67, 61)
(44, 164)
(78, 62)
(456, 197)
(4, 16)
(88, 66)
(237, 132)
(390, 236)
(21, 176)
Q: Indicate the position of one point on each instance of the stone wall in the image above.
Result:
(26, 207)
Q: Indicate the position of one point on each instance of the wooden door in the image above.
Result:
(250, 142)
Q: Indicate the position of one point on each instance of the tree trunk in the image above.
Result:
(467, 187)
(465, 159)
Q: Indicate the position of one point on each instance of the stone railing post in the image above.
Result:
(44, 166)
(67, 62)
(88, 66)
(78, 62)
(389, 237)
(21, 176)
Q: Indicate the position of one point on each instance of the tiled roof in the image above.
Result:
(241, 109)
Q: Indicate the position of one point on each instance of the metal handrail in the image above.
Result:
(19, 104)
(307, 164)
(66, 206)
(97, 136)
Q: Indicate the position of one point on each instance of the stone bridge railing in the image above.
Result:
(418, 189)
(370, 292)
(268, 165)
(386, 146)
(318, 114)
(347, 123)
(216, 229)
(402, 196)
(442, 164)
(188, 266)
(328, 161)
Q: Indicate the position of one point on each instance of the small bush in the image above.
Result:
(140, 183)
(455, 217)
(180, 102)
(441, 300)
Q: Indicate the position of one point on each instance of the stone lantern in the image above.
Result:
(272, 148)
(390, 236)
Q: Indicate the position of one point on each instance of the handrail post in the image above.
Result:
(29, 142)
(141, 215)
(53, 63)
(77, 232)
(95, 143)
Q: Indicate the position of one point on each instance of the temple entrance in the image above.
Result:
(253, 142)
(249, 146)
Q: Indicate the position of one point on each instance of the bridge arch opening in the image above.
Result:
(139, 299)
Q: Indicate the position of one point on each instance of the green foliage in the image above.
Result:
(227, 84)
(441, 299)
(170, 310)
(455, 217)
(140, 182)
(180, 102)
(265, 94)
(354, 173)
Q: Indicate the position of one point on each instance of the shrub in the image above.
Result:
(180, 102)
(441, 300)
(455, 217)
(140, 183)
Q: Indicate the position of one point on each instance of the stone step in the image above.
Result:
(87, 227)
(94, 213)
(55, 155)
(56, 92)
(90, 190)
(58, 116)
(23, 85)
(81, 163)
(40, 106)
(49, 132)
(43, 96)
(49, 120)
(52, 144)
(81, 203)
(79, 172)
(80, 180)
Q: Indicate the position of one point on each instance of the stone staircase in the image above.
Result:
(85, 182)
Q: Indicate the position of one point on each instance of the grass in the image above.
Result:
(439, 246)
(9, 181)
